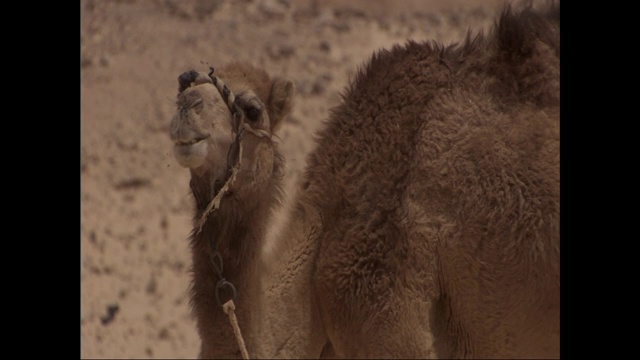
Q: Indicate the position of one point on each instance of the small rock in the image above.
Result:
(112, 310)
(341, 26)
(280, 51)
(85, 61)
(133, 182)
(163, 334)
(324, 46)
(152, 286)
(317, 88)
(273, 8)
(205, 8)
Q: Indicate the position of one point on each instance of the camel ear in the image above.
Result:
(280, 102)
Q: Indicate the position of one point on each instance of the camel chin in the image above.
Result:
(191, 155)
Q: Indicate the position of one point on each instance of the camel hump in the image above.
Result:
(438, 180)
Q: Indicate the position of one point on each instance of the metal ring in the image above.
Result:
(219, 265)
(221, 284)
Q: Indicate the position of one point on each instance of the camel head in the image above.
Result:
(204, 129)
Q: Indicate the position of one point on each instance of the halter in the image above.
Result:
(234, 155)
(238, 116)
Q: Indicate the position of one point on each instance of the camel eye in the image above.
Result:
(253, 113)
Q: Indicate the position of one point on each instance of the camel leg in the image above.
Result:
(381, 300)
(328, 352)
(403, 329)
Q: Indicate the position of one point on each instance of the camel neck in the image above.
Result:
(237, 232)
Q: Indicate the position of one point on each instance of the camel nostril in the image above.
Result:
(195, 103)
(190, 100)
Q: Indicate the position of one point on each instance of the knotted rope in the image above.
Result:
(229, 308)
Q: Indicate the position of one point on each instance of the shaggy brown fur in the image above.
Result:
(438, 182)
(427, 224)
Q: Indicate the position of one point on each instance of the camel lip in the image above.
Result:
(190, 142)
(191, 154)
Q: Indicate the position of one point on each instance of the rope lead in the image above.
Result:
(229, 309)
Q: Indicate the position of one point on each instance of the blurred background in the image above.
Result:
(135, 201)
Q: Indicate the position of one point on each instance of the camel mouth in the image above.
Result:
(192, 153)
(190, 142)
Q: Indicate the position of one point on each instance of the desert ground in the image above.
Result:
(135, 203)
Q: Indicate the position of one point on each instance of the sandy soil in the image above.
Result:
(135, 203)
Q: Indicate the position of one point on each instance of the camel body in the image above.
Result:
(426, 223)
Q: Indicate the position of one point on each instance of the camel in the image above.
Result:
(426, 224)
